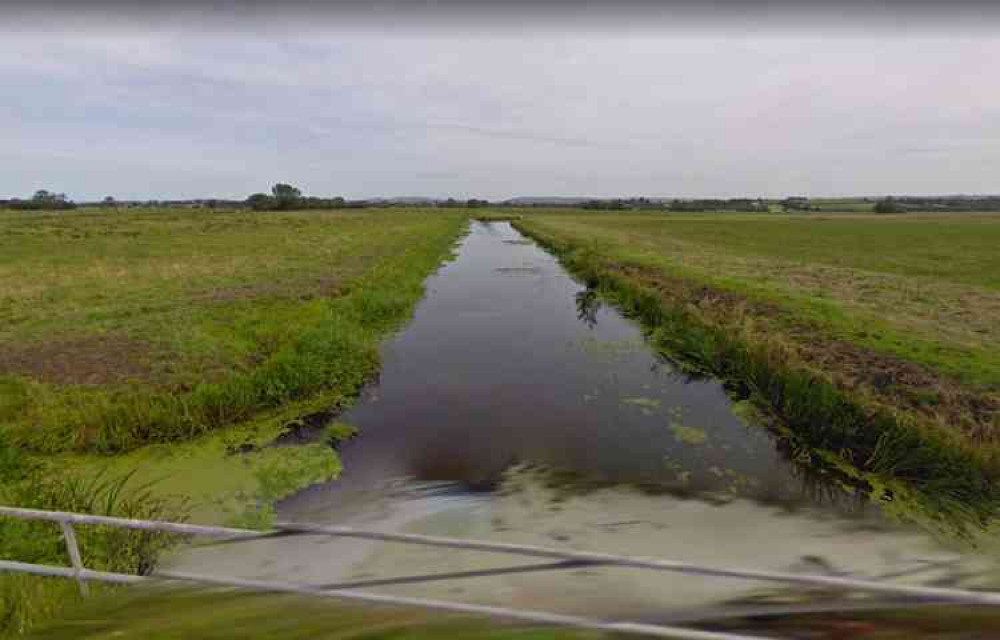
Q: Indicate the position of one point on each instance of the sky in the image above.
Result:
(188, 108)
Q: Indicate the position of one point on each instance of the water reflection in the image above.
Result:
(516, 407)
(509, 360)
(587, 306)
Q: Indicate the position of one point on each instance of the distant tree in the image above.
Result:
(108, 201)
(286, 196)
(796, 203)
(47, 197)
(43, 199)
(888, 205)
(261, 202)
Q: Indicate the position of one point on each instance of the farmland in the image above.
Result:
(151, 357)
(109, 319)
(201, 334)
(895, 318)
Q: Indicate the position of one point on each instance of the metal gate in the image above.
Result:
(550, 559)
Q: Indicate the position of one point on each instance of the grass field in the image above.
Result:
(148, 357)
(127, 328)
(922, 287)
(851, 327)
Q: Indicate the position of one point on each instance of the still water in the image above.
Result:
(515, 407)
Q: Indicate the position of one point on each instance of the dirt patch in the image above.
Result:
(887, 380)
(91, 360)
(326, 287)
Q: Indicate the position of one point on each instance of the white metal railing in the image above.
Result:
(560, 559)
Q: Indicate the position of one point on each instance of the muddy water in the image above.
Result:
(515, 407)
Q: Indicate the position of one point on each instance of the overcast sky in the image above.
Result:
(186, 113)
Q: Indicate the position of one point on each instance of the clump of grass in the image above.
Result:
(940, 468)
(26, 599)
(338, 432)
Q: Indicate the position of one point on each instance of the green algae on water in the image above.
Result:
(689, 435)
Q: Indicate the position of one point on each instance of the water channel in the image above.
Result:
(516, 407)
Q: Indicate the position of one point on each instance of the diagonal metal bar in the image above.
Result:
(459, 575)
(66, 572)
(834, 582)
(128, 523)
(536, 617)
(74, 556)
(655, 564)
(678, 633)
(267, 535)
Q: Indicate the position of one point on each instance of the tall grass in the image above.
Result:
(27, 599)
(949, 476)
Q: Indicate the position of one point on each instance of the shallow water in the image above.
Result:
(516, 407)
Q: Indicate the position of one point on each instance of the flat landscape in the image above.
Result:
(204, 334)
(151, 357)
(900, 313)
(925, 288)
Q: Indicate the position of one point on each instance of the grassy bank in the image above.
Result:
(149, 358)
(165, 614)
(124, 329)
(816, 320)
(175, 614)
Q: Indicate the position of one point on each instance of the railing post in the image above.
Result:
(74, 557)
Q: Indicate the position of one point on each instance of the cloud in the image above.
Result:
(176, 113)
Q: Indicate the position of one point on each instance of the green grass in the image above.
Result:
(27, 599)
(166, 614)
(752, 301)
(953, 248)
(923, 288)
(178, 614)
(149, 357)
(128, 328)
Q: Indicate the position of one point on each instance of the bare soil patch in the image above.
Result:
(84, 360)
(888, 380)
(322, 287)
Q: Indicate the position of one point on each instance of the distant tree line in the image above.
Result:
(888, 205)
(285, 197)
(705, 204)
(42, 201)
(903, 204)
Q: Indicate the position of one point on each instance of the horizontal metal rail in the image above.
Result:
(678, 633)
(563, 559)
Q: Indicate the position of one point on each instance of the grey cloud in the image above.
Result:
(172, 113)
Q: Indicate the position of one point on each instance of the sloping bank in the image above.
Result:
(911, 466)
(207, 453)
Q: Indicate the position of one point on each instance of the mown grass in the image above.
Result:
(215, 317)
(925, 288)
(163, 350)
(763, 345)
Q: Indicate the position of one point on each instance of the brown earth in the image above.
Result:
(888, 380)
(86, 360)
(323, 287)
